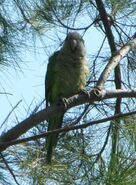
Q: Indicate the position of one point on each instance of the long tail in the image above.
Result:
(51, 141)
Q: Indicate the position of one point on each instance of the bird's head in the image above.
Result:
(74, 45)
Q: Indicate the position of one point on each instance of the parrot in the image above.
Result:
(67, 74)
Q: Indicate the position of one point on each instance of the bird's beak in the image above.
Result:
(73, 44)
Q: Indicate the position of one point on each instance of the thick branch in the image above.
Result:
(44, 114)
(120, 93)
(110, 37)
(29, 123)
(107, 25)
(114, 62)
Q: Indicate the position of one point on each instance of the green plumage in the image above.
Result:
(66, 75)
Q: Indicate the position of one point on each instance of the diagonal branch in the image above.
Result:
(44, 114)
(114, 62)
(4, 145)
(8, 167)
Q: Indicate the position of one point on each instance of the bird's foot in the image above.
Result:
(62, 102)
(85, 92)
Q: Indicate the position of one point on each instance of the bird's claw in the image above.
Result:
(62, 102)
(85, 92)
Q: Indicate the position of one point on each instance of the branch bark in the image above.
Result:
(44, 114)
(107, 25)
(114, 62)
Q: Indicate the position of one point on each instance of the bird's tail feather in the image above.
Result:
(51, 141)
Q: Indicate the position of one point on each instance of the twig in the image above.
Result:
(105, 143)
(9, 169)
(68, 27)
(10, 113)
(103, 147)
(6, 93)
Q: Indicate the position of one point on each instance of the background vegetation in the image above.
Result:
(100, 152)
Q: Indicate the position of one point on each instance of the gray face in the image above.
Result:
(74, 45)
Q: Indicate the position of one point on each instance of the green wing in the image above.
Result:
(50, 78)
(51, 93)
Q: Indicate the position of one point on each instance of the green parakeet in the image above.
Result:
(67, 73)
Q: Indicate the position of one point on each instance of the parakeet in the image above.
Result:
(66, 75)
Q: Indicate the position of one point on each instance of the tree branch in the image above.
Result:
(9, 169)
(107, 25)
(44, 114)
(4, 145)
(114, 62)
